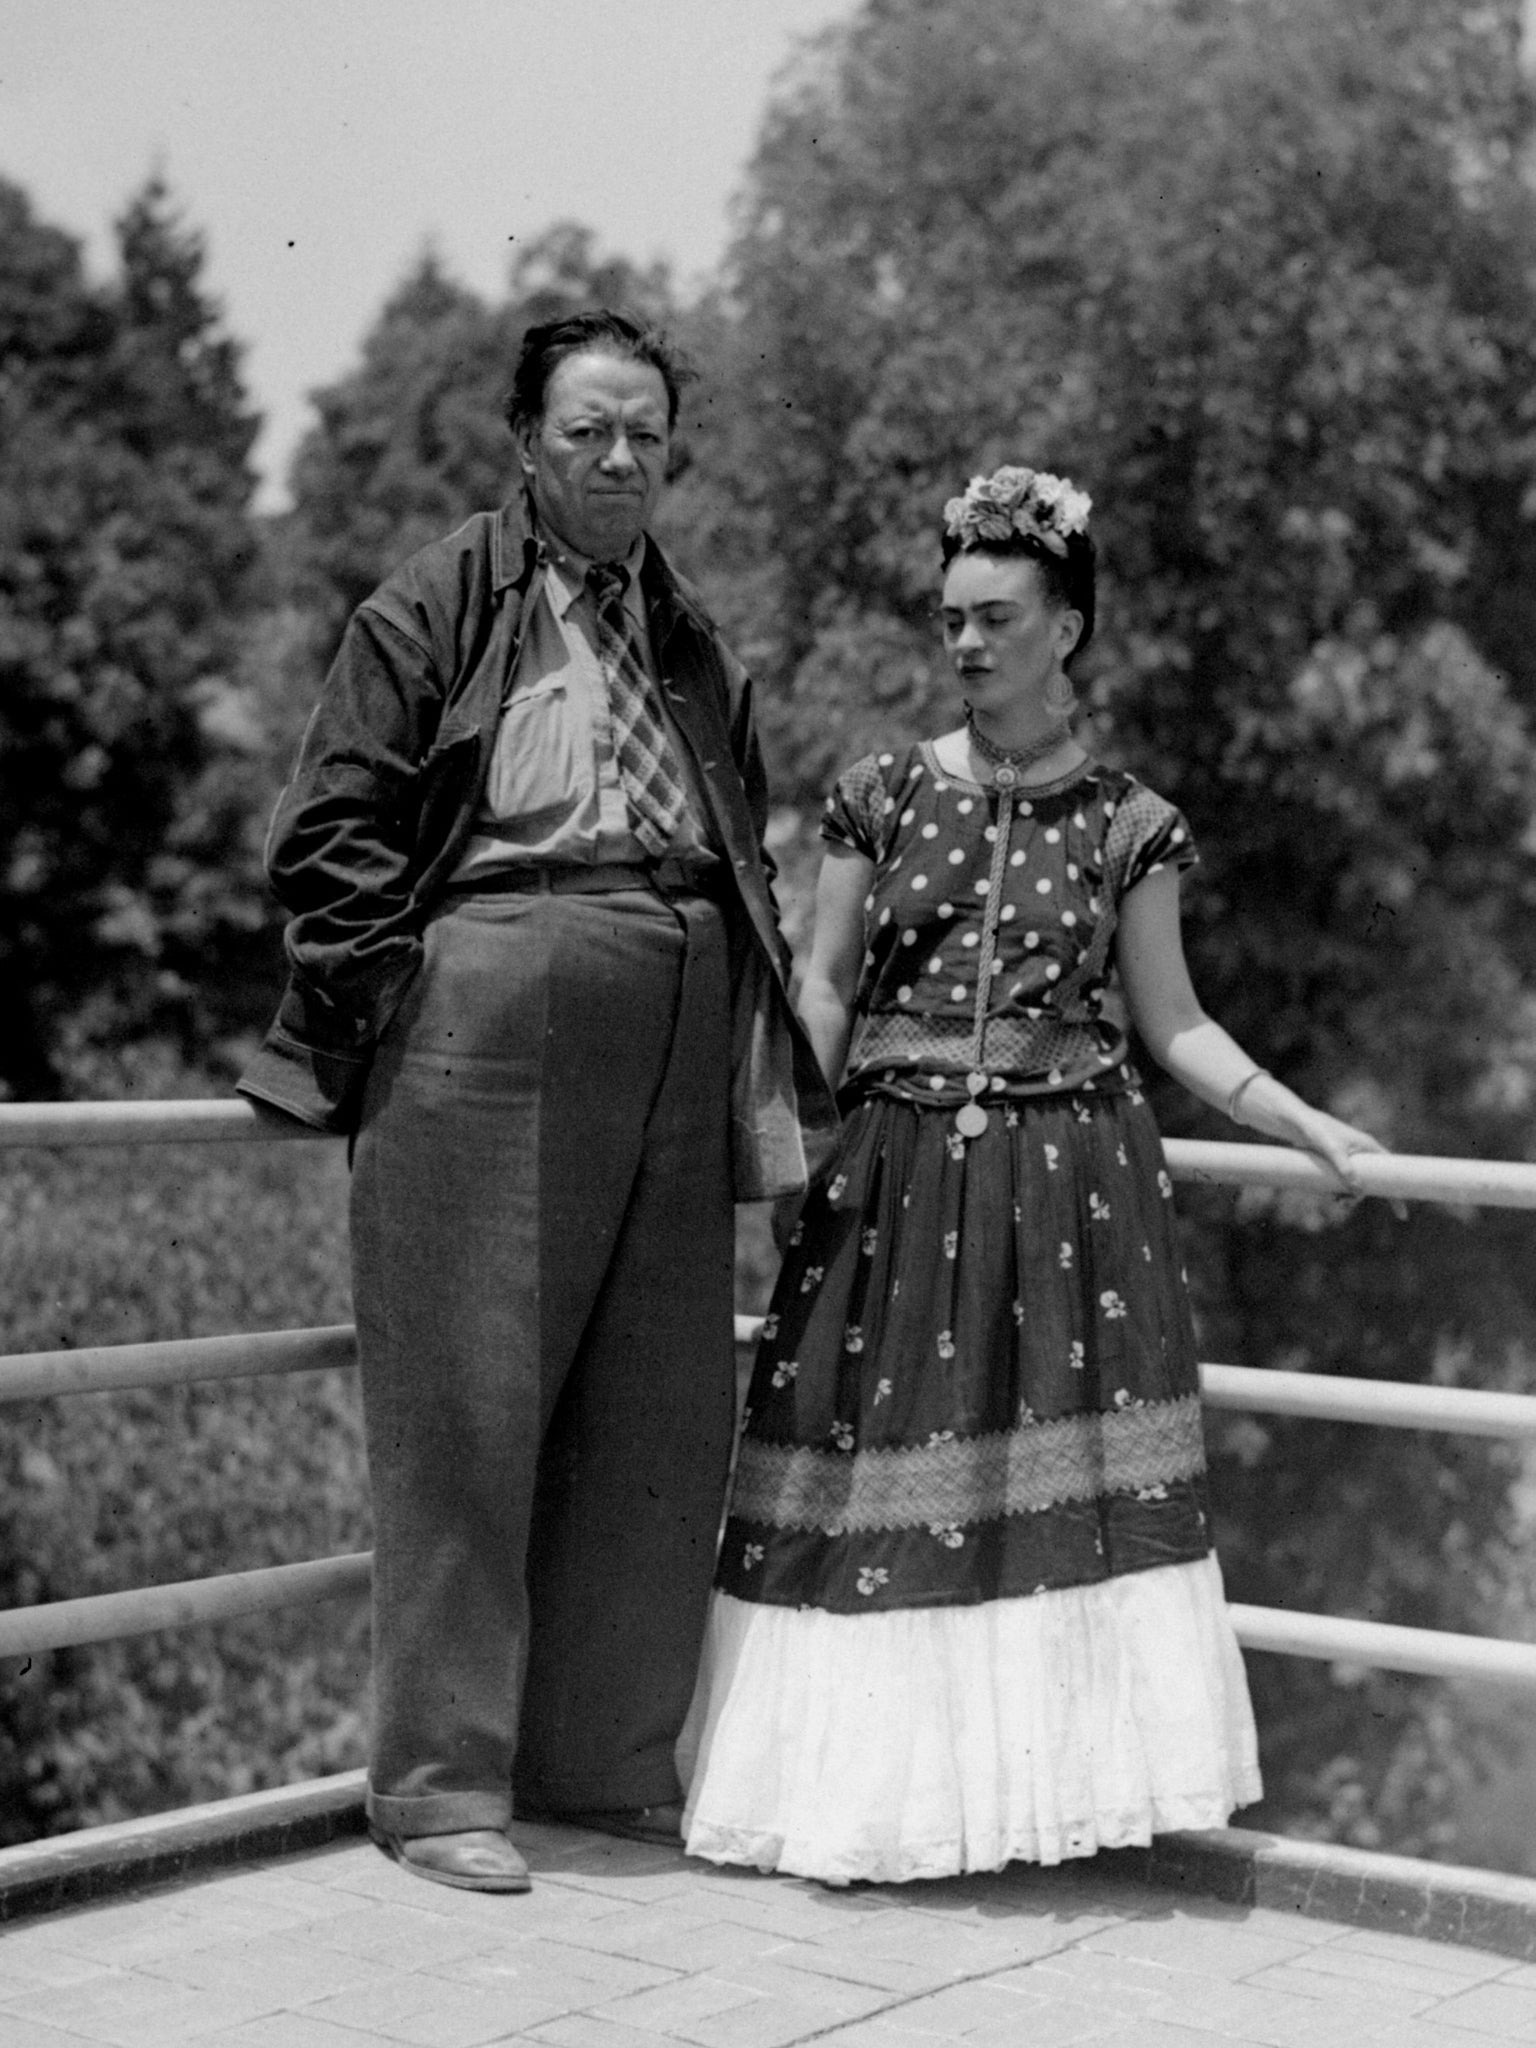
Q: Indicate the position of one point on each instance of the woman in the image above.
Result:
(966, 1609)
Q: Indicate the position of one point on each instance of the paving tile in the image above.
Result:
(583, 1976)
(1421, 1973)
(27, 1969)
(780, 1976)
(296, 2030)
(1083, 1975)
(404, 1937)
(1506, 2011)
(431, 2014)
(139, 2012)
(960, 2009)
(770, 2023)
(1473, 1964)
(1182, 1944)
(290, 1967)
(885, 2034)
(673, 1939)
(1375, 2000)
(670, 2008)
(587, 2030)
(16, 2033)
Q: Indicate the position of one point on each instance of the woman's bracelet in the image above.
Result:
(1235, 1098)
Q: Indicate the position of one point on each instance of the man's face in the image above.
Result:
(596, 458)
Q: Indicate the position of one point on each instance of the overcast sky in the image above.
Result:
(318, 144)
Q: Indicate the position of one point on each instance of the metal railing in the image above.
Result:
(29, 1631)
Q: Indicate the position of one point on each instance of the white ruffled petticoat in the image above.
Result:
(922, 1742)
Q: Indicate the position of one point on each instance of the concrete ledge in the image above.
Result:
(94, 1863)
(1434, 1901)
(1397, 1894)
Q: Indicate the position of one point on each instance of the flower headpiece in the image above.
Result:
(1023, 501)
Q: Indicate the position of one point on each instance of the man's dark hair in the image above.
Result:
(545, 347)
(1069, 579)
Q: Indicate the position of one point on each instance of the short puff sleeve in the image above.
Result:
(1146, 833)
(857, 812)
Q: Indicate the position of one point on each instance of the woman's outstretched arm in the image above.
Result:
(1207, 1060)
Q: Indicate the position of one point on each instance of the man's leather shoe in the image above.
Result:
(662, 1823)
(476, 1860)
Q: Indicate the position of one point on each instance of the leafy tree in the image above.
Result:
(124, 547)
(1259, 276)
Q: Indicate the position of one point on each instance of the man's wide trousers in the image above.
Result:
(542, 1270)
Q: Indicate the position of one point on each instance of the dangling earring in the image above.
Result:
(1060, 697)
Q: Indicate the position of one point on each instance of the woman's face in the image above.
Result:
(1002, 632)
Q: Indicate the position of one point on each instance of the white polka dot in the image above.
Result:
(1053, 837)
(982, 886)
(1007, 913)
(1080, 821)
(1031, 939)
(936, 965)
(919, 881)
(889, 804)
(1044, 886)
(1069, 917)
(971, 939)
(957, 855)
(1017, 989)
(965, 807)
(1176, 837)
(957, 993)
(1109, 810)
(939, 787)
(997, 1084)
(903, 995)
(907, 817)
(869, 902)
(936, 1083)
(909, 938)
(930, 831)
(1016, 860)
(896, 863)
(1053, 972)
(885, 915)
(885, 760)
(869, 959)
(1093, 905)
(1026, 809)
(997, 966)
(990, 835)
(946, 909)
(1072, 870)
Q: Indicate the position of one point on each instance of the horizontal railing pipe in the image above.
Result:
(104, 1617)
(1384, 1404)
(1399, 1176)
(218, 1120)
(1384, 1646)
(107, 1368)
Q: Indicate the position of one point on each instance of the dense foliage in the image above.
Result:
(127, 885)
(1262, 278)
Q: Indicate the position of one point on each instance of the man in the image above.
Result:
(536, 970)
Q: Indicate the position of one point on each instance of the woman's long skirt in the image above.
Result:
(966, 1607)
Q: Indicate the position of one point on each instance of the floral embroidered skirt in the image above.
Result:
(967, 1608)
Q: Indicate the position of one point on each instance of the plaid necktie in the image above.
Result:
(648, 770)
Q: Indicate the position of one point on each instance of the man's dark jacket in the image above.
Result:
(385, 796)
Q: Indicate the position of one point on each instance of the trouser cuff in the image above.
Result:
(439, 1813)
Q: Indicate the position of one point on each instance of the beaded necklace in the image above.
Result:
(1007, 765)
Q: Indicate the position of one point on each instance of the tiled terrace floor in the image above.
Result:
(621, 1946)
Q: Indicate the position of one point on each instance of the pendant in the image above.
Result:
(971, 1121)
(1005, 777)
